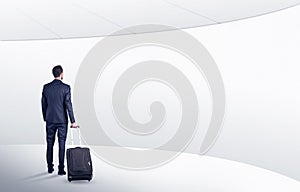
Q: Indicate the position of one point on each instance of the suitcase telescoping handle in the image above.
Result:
(72, 135)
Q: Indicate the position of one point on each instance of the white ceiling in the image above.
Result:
(57, 19)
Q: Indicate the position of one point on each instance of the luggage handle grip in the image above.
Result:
(75, 126)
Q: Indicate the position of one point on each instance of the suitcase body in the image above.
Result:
(79, 164)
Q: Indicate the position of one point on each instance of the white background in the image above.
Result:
(258, 58)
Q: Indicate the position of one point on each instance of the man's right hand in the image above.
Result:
(74, 125)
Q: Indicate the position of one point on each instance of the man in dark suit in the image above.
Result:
(56, 106)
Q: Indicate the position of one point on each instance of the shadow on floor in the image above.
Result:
(78, 182)
(34, 176)
(40, 177)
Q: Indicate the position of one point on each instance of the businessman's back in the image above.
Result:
(56, 106)
(57, 102)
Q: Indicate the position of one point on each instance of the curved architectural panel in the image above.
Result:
(57, 19)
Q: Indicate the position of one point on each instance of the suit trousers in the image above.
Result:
(51, 129)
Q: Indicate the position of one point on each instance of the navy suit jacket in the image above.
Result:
(56, 102)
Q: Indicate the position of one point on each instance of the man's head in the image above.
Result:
(57, 72)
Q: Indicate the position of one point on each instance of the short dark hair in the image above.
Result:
(57, 70)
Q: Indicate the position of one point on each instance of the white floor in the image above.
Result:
(23, 169)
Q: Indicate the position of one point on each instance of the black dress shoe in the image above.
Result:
(61, 172)
(50, 170)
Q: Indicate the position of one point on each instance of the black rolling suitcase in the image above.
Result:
(79, 163)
